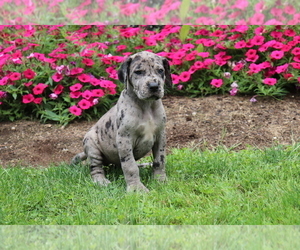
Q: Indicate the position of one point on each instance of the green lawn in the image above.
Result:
(211, 187)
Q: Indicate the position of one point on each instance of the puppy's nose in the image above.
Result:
(153, 86)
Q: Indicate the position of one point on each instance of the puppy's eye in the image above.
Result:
(138, 72)
(161, 71)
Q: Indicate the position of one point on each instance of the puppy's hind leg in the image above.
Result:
(78, 158)
(96, 162)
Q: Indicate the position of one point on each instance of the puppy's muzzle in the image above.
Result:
(153, 86)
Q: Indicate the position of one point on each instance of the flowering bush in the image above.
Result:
(150, 12)
(60, 73)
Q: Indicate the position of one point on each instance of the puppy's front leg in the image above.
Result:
(159, 155)
(128, 164)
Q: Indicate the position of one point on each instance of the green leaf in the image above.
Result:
(200, 47)
(184, 8)
(52, 116)
(184, 31)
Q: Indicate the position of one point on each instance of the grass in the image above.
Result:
(210, 187)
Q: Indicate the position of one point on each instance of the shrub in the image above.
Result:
(60, 73)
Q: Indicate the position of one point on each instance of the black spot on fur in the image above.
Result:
(162, 158)
(156, 164)
(108, 124)
(85, 140)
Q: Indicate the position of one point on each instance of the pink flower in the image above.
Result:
(254, 68)
(38, 100)
(277, 54)
(58, 89)
(240, 44)
(217, 82)
(28, 98)
(75, 94)
(270, 81)
(57, 77)
(15, 76)
(87, 94)
(88, 62)
(39, 88)
(84, 78)
(296, 51)
(27, 84)
(121, 47)
(75, 110)
(175, 79)
(258, 40)
(185, 76)
(98, 92)
(251, 55)
(282, 68)
(199, 65)
(107, 84)
(84, 104)
(29, 74)
(3, 81)
(76, 71)
(238, 67)
(76, 87)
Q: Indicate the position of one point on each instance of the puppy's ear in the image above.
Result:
(168, 80)
(123, 72)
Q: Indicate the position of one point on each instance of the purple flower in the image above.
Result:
(53, 96)
(3, 94)
(253, 99)
(227, 74)
(233, 91)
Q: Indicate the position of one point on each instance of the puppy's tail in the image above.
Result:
(78, 158)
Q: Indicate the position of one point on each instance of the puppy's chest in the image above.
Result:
(146, 131)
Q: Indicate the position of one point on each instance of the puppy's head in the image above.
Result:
(146, 74)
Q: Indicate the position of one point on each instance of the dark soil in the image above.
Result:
(234, 122)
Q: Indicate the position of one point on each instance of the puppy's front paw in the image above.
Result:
(101, 180)
(160, 176)
(139, 187)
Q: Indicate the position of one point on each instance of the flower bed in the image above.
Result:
(60, 73)
(234, 12)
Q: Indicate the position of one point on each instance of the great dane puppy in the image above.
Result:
(134, 126)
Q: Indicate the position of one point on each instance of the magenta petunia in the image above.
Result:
(57, 77)
(58, 89)
(98, 92)
(185, 76)
(217, 82)
(84, 104)
(38, 100)
(39, 88)
(75, 110)
(84, 78)
(15, 76)
(28, 98)
(76, 71)
(270, 81)
(76, 87)
(87, 94)
(4, 81)
(29, 74)
(277, 54)
(75, 94)
(88, 62)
